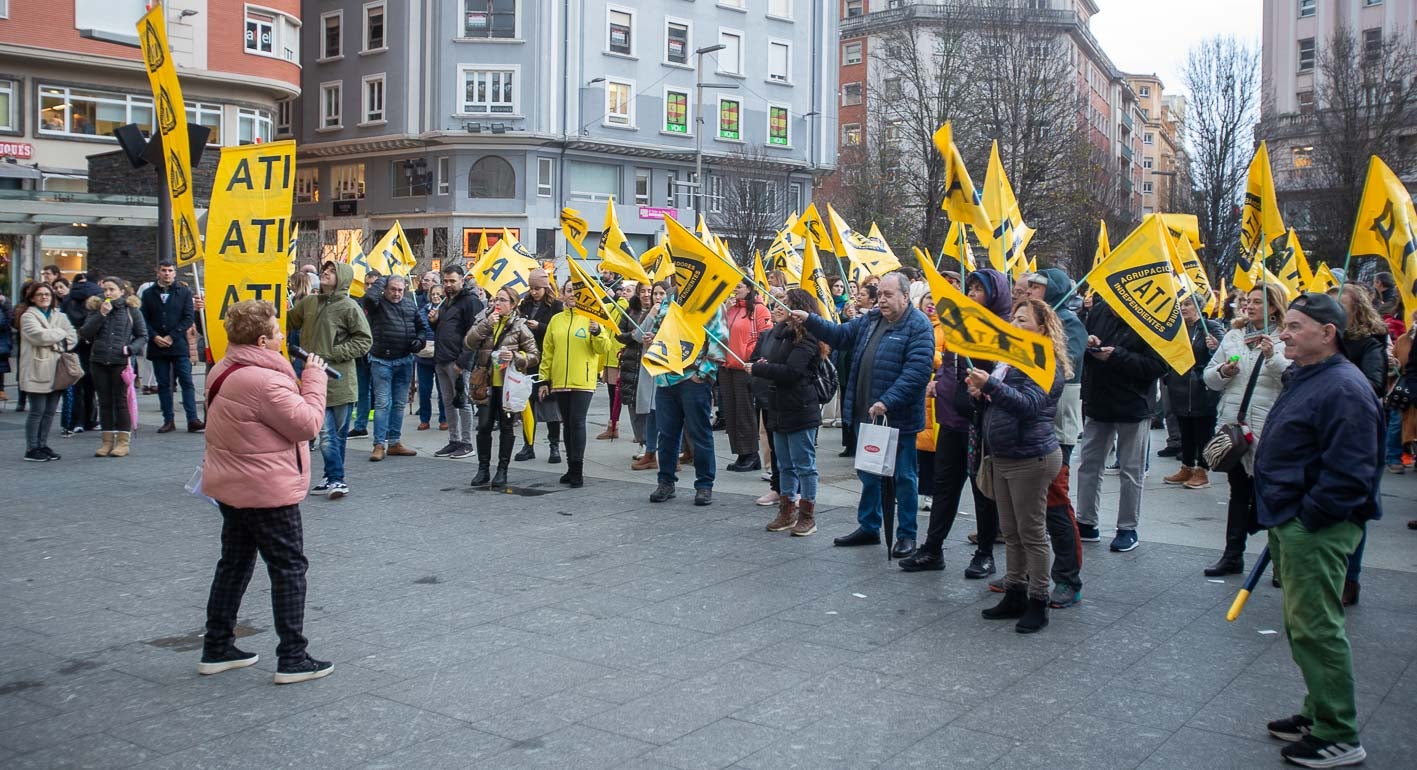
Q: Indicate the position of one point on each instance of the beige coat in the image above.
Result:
(41, 341)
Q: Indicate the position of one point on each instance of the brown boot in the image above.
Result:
(1198, 479)
(786, 515)
(120, 449)
(378, 453)
(611, 433)
(399, 450)
(687, 457)
(806, 523)
(647, 463)
(109, 437)
(1180, 477)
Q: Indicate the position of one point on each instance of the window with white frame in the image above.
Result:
(620, 31)
(851, 134)
(851, 53)
(1144, 91)
(782, 9)
(1307, 8)
(307, 185)
(779, 126)
(676, 41)
(713, 193)
(619, 103)
(89, 112)
(4, 9)
(445, 175)
(545, 172)
(285, 116)
(850, 94)
(730, 118)
(373, 110)
(730, 59)
(1147, 188)
(252, 126)
(374, 31)
(1148, 162)
(331, 104)
(676, 111)
(779, 61)
(642, 182)
(490, 19)
(332, 30)
(1148, 138)
(348, 181)
(272, 33)
(1306, 102)
(592, 181)
(8, 121)
(208, 115)
(794, 195)
(488, 91)
(762, 196)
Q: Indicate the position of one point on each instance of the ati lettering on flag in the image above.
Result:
(1259, 217)
(702, 278)
(573, 226)
(1137, 282)
(589, 299)
(1385, 228)
(504, 265)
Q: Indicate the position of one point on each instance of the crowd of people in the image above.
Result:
(1320, 385)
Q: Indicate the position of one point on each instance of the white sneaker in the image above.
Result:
(338, 489)
(771, 498)
(323, 488)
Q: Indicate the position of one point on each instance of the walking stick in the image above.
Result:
(1250, 583)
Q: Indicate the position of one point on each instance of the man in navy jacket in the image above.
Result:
(1317, 471)
(168, 311)
(892, 351)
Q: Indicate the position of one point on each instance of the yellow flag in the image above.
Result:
(656, 262)
(248, 220)
(1260, 218)
(1385, 228)
(1323, 279)
(614, 249)
(961, 201)
(1187, 225)
(1195, 271)
(392, 255)
(676, 345)
(811, 227)
(888, 260)
(573, 226)
(782, 256)
(703, 231)
(760, 275)
(588, 297)
(360, 262)
(971, 330)
(1009, 234)
(702, 278)
(504, 265)
(1222, 297)
(172, 127)
(956, 246)
(814, 280)
(1103, 247)
(1247, 274)
(1294, 271)
(1137, 283)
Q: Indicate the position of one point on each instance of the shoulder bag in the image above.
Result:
(1233, 441)
(67, 369)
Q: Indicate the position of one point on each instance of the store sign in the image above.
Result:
(346, 208)
(21, 150)
(655, 212)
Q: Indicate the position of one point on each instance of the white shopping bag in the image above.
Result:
(876, 447)
(516, 389)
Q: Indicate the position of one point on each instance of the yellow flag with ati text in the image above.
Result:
(814, 280)
(505, 264)
(614, 249)
(392, 255)
(782, 256)
(1009, 235)
(676, 345)
(970, 329)
(811, 227)
(573, 226)
(1294, 270)
(1137, 282)
(1260, 219)
(588, 297)
(961, 202)
(702, 279)
(171, 115)
(1386, 220)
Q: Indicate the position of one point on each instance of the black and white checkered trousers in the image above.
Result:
(275, 533)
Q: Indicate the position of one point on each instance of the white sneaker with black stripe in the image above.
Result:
(1311, 751)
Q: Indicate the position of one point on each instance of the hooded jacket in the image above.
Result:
(570, 355)
(115, 335)
(789, 366)
(167, 319)
(954, 409)
(1122, 388)
(901, 368)
(456, 316)
(259, 428)
(1058, 287)
(1321, 456)
(333, 326)
(397, 328)
(1187, 393)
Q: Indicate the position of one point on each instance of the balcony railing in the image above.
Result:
(874, 20)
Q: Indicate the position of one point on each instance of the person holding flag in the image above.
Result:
(683, 400)
(892, 350)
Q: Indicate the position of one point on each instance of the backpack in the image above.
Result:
(824, 380)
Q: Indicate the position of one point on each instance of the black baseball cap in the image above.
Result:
(1323, 309)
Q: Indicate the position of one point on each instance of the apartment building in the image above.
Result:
(1165, 163)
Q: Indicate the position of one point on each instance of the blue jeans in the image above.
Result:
(427, 378)
(333, 438)
(796, 454)
(361, 410)
(651, 434)
(1394, 438)
(868, 511)
(685, 407)
(164, 370)
(390, 379)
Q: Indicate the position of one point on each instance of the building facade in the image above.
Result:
(1165, 163)
(71, 72)
(459, 117)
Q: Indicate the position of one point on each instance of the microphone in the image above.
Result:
(303, 354)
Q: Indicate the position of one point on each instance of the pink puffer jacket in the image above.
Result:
(258, 429)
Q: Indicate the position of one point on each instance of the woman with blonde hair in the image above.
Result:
(1019, 437)
(1250, 352)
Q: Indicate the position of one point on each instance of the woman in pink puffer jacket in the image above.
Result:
(260, 420)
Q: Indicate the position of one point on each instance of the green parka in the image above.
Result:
(333, 326)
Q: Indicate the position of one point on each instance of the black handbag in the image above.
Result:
(1224, 452)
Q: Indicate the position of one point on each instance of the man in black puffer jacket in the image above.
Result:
(398, 332)
(450, 321)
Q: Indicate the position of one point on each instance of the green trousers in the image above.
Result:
(1312, 566)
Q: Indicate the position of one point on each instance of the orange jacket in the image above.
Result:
(743, 331)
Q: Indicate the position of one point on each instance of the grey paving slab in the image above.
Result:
(1191, 749)
(716, 745)
(576, 746)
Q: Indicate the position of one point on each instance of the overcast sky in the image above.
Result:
(1146, 36)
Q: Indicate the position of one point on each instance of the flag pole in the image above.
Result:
(725, 347)
(763, 290)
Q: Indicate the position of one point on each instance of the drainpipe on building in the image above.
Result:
(565, 101)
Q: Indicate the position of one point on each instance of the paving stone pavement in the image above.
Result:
(558, 628)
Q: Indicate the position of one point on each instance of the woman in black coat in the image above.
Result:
(1194, 404)
(114, 329)
(790, 368)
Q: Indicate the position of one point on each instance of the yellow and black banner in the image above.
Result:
(250, 230)
(676, 345)
(587, 296)
(574, 227)
(505, 264)
(172, 127)
(1385, 228)
(702, 279)
(392, 255)
(1137, 281)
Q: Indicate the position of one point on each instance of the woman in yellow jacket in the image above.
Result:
(571, 356)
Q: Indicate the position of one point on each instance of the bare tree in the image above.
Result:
(1365, 95)
(1222, 76)
(747, 201)
(871, 183)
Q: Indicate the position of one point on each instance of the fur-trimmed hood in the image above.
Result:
(93, 303)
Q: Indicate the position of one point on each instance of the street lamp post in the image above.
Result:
(699, 86)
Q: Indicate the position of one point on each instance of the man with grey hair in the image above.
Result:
(892, 353)
(399, 332)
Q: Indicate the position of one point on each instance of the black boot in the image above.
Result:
(1228, 565)
(528, 453)
(483, 474)
(573, 476)
(1012, 606)
(925, 559)
(1035, 616)
(500, 480)
(555, 453)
